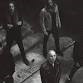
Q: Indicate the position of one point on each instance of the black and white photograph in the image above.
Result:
(41, 41)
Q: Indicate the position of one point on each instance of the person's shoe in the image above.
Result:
(68, 79)
(26, 61)
(60, 54)
(33, 60)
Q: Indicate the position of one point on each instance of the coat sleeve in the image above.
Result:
(42, 74)
(58, 22)
(42, 20)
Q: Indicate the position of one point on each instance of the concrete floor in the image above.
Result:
(24, 74)
(34, 79)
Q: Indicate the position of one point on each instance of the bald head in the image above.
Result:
(52, 52)
(51, 56)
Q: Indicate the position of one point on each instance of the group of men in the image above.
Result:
(50, 24)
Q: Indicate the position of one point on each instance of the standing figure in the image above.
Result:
(50, 23)
(50, 71)
(7, 66)
(13, 25)
(75, 57)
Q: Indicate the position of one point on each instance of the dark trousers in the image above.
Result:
(56, 39)
(7, 76)
(15, 36)
(75, 58)
(8, 79)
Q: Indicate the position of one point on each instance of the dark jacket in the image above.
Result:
(15, 31)
(46, 19)
(49, 74)
(13, 18)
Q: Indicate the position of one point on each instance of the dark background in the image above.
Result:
(71, 13)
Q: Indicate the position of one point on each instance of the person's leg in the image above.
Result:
(20, 44)
(76, 51)
(9, 40)
(9, 77)
(74, 69)
(1, 80)
(76, 59)
(57, 45)
(45, 45)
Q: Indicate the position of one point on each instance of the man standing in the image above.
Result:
(75, 57)
(50, 71)
(50, 23)
(13, 27)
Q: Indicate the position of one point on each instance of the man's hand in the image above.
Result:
(59, 24)
(77, 64)
(1, 26)
(45, 32)
(10, 26)
(19, 23)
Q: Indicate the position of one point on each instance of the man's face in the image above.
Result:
(50, 2)
(51, 56)
(11, 6)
